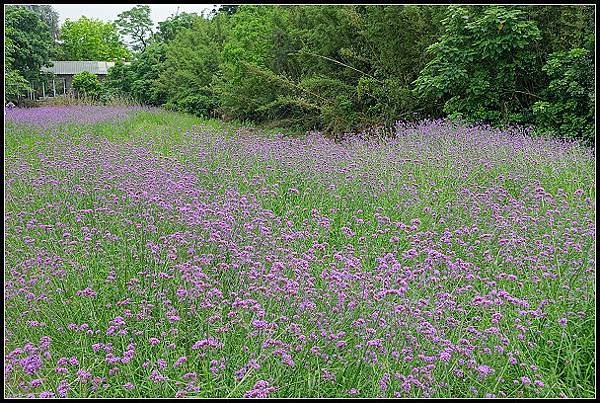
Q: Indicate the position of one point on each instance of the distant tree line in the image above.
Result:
(343, 68)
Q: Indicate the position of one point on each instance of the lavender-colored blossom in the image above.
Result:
(63, 388)
(179, 361)
(83, 375)
(261, 390)
(31, 364)
(210, 342)
(52, 115)
(485, 370)
(46, 395)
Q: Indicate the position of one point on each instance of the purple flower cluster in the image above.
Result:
(261, 389)
(52, 115)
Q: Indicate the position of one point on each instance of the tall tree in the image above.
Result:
(91, 39)
(190, 63)
(241, 87)
(567, 105)
(29, 41)
(137, 24)
(168, 28)
(228, 9)
(14, 83)
(48, 15)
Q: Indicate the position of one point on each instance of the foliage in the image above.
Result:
(87, 84)
(247, 45)
(190, 62)
(118, 80)
(567, 105)
(48, 15)
(392, 43)
(228, 9)
(14, 83)
(345, 68)
(140, 79)
(481, 65)
(144, 71)
(28, 43)
(137, 24)
(91, 39)
(168, 29)
(562, 27)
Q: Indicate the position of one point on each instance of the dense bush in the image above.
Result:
(87, 84)
(480, 70)
(190, 62)
(567, 107)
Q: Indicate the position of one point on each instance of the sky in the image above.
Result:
(109, 12)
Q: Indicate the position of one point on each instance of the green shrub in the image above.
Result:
(87, 84)
(567, 105)
(482, 65)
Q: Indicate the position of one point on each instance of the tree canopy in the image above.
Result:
(48, 15)
(91, 39)
(28, 41)
(28, 44)
(137, 24)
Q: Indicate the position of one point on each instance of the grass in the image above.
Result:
(170, 219)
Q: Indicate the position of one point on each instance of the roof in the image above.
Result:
(74, 67)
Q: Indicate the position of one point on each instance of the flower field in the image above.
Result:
(152, 254)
